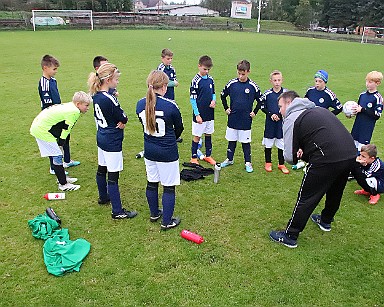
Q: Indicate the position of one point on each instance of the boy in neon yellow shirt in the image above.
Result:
(52, 126)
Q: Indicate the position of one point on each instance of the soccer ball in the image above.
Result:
(349, 108)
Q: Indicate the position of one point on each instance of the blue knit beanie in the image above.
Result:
(322, 74)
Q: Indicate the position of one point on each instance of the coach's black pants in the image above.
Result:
(327, 179)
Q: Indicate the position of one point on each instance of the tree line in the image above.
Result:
(94, 5)
(327, 13)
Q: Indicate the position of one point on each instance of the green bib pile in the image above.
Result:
(61, 254)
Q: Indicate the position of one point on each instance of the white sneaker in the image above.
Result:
(69, 187)
(69, 180)
(248, 167)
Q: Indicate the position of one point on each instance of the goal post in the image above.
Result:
(61, 17)
(372, 34)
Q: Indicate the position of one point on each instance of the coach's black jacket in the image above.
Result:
(318, 132)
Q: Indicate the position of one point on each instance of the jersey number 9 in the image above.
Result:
(100, 119)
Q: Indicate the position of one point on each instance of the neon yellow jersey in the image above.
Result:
(55, 122)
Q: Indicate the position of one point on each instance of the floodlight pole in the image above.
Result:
(258, 19)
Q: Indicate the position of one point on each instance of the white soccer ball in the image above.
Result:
(169, 38)
(349, 108)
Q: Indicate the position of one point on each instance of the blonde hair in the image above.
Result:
(375, 76)
(275, 72)
(81, 97)
(155, 81)
(95, 80)
(370, 149)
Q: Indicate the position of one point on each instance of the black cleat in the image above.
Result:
(125, 214)
(155, 218)
(175, 221)
(103, 202)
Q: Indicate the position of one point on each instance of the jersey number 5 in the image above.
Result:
(160, 123)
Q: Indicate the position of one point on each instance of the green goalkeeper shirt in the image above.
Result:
(55, 122)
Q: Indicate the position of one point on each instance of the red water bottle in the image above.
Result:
(54, 196)
(191, 236)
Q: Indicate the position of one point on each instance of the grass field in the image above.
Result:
(131, 262)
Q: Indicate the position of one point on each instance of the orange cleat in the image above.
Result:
(268, 167)
(362, 192)
(209, 160)
(283, 169)
(373, 199)
(194, 160)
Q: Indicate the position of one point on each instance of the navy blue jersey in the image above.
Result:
(202, 90)
(372, 104)
(112, 91)
(325, 99)
(108, 114)
(242, 96)
(273, 129)
(161, 146)
(48, 92)
(171, 73)
(376, 170)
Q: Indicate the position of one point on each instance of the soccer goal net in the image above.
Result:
(78, 18)
(372, 34)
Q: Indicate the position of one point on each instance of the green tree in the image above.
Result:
(271, 9)
(370, 13)
(338, 13)
(222, 6)
(304, 14)
(288, 8)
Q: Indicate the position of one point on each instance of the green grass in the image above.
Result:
(132, 263)
(11, 14)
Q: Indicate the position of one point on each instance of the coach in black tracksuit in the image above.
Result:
(315, 135)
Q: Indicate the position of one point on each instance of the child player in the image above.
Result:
(203, 101)
(110, 120)
(49, 95)
(369, 173)
(273, 132)
(51, 128)
(369, 109)
(321, 95)
(242, 92)
(166, 67)
(97, 62)
(162, 124)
